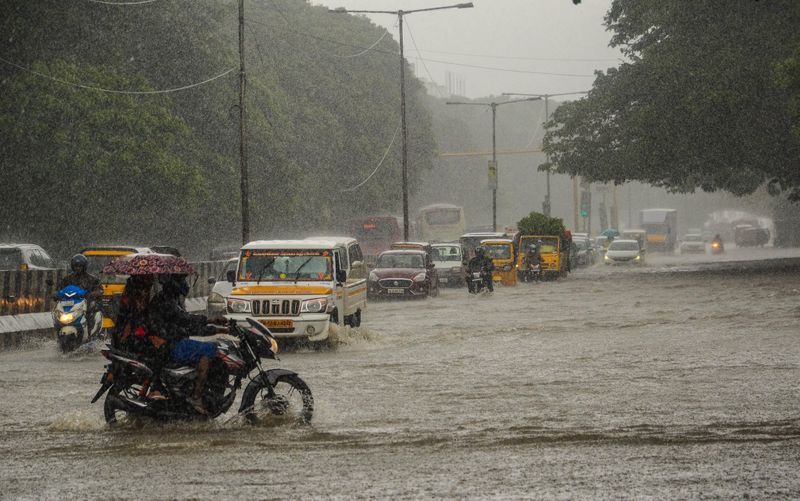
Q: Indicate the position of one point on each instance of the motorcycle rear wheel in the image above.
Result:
(292, 402)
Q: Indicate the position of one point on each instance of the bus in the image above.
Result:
(376, 234)
(441, 223)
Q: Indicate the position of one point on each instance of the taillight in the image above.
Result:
(23, 266)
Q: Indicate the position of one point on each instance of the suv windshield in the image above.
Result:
(447, 253)
(286, 265)
(400, 261)
(624, 246)
(443, 216)
(10, 259)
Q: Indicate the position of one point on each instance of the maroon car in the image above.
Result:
(403, 273)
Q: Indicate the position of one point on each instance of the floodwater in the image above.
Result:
(674, 380)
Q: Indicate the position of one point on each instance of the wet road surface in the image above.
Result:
(674, 380)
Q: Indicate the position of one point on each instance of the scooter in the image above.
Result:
(70, 318)
(717, 247)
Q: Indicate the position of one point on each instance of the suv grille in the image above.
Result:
(276, 307)
(395, 282)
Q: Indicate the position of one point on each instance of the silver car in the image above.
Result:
(624, 252)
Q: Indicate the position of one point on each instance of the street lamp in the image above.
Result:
(494, 106)
(546, 203)
(400, 14)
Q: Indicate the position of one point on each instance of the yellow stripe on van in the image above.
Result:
(281, 290)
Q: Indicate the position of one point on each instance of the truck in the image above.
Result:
(297, 288)
(661, 226)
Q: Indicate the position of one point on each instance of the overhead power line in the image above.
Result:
(116, 91)
(139, 2)
(438, 91)
(524, 58)
(385, 154)
(367, 49)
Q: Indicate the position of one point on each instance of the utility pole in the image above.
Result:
(404, 134)
(493, 105)
(546, 206)
(243, 132)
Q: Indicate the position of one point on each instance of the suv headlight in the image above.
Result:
(420, 277)
(373, 277)
(238, 306)
(317, 305)
(216, 297)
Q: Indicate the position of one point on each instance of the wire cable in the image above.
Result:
(140, 2)
(523, 58)
(358, 54)
(385, 154)
(116, 91)
(438, 91)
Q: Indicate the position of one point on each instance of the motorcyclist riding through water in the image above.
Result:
(86, 281)
(716, 245)
(480, 263)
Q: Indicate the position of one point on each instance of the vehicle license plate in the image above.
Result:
(396, 291)
(278, 323)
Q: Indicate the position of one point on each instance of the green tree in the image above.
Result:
(696, 106)
(537, 223)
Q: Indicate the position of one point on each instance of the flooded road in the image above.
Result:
(677, 379)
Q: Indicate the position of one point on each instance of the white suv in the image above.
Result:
(25, 257)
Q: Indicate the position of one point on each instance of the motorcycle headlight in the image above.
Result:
(66, 318)
(373, 277)
(314, 305)
(607, 258)
(216, 297)
(637, 258)
(238, 306)
(420, 277)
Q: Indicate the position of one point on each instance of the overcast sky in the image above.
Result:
(546, 36)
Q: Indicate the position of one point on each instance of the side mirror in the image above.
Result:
(230, 276)
(212, 280)
(341, 276)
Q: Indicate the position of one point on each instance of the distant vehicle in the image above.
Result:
(165, 249)
(469, 241)
(447, 260)
(440, 223)
(624, 252)
(216, 304)
(503, 255)
(750, 236)
(553, 257)
(423, 246)
(634, 234)
(661, 226)
(693, 243)
(22, 257)
(376, 234)
(70, 321)
(585, 254)
(403, 273)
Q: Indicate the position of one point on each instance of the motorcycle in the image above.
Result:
(269, 394)
(717, 247)
(70, 318)
(477, 280)
(532, 273)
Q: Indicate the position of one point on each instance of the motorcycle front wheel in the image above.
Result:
(291, 401)
(67, 344)
(114, 414)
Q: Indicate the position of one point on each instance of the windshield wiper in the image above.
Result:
(297, 273)
(263, 269)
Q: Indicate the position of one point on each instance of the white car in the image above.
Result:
(693, 243)
(624, 252)
(447, 260)
(216, 305)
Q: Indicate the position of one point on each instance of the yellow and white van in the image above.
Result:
(296, 288)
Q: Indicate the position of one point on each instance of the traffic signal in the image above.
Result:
(586, 202)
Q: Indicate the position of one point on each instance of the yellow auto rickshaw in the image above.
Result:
(113, 285)
(501, 250)
(550, 255)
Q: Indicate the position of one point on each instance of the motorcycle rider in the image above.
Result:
(533, 256)
(170, 322)
(717, 242)
(483, 264)
(86, 281)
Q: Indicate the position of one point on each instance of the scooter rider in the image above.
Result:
(483, 264)
(86, 281)
(533, 257)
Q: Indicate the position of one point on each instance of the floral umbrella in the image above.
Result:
(148, 264)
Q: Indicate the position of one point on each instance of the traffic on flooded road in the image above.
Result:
(672, 379)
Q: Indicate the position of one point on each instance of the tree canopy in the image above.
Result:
(702, 101)
(163, 168)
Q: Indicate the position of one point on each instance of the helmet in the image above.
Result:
(78, 261)
(539, 242)
(479, 251)
(174, 285)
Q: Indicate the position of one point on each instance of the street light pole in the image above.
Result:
(494, 106)
(546, 208)
(404, 134)
(243, 132)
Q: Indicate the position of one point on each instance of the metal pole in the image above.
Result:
(575, 208)
(243, 131)
(546, 208)
(494, 159)
(404, 130)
